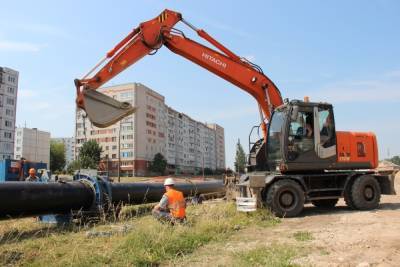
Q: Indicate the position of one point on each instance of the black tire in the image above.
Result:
(285, 198)
(365, 193)
(347, 195)
(325, 203)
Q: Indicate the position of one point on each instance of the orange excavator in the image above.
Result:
(300, 157)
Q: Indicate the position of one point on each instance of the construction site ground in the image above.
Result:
(334, 237)
(217, 237)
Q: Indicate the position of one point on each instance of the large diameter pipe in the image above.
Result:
(137, 193)
(21, 199)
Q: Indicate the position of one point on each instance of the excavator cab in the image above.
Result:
(301, 137)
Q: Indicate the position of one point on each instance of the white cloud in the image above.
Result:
(45, 30)
(12, 46)
(49, 108)
(38, 106)
(393, 74)
(36, 28)
(229, 114)
(26, 93)
(382, 89)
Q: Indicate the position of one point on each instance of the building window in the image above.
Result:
(10, 90)
(127, 137)
(126, 95)
(127, 128)
(8, 123)
(114, 156)
(9, 112)
(151, 124)
(127, 145)
(11, 79)
(10, 101)
(8, 135)
(126, 154)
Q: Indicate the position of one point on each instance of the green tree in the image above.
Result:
(395, 160)
(73, 166)
(240, 159)
(208, 171)
(89, 155)
(57, 156)
(159, 164)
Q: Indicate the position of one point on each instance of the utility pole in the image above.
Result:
(203, 161)
(119, 153)
(203, 165)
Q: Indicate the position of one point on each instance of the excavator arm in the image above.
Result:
(152, 35)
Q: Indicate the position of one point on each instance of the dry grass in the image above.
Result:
(303, 236)
(135, 242)
(274, 255)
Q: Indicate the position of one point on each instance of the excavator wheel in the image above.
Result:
(285, 198)
(325, 203)
(347, 196)
(365, 193)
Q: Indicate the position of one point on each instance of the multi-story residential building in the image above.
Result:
(8, 107)
(219, 145)
(32, 145)
(188, 145)
(69, 147)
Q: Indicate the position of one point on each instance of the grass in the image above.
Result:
(274, 255)
(303, 236)
(147, 242)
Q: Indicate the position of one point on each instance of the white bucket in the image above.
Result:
(246, 204)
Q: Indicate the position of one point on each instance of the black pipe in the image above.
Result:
(22, 199)
(137, 193)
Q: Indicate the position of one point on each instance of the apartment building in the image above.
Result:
(8, 107)
(32, 145)
(188, 145)
(69, 147)
(219, 145)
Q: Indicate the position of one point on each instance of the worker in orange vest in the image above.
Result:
(172, 206)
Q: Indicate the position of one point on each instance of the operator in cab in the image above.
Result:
(32, 176)
(172, 206)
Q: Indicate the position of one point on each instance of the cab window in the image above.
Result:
(326, 126)
(301, 133)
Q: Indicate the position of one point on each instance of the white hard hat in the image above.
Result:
(169, 181)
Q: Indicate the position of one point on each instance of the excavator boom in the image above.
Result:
(152, 35)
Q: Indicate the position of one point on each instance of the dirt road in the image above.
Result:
(343, 237)
(339, 237)
(351, 238)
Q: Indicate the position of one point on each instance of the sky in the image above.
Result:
(342, 52)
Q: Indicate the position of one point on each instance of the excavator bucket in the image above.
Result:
(103, 110)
